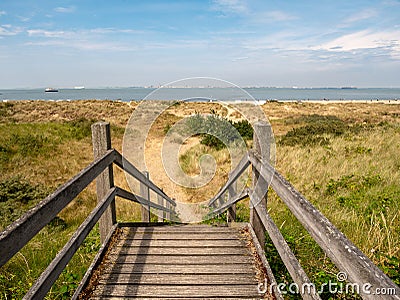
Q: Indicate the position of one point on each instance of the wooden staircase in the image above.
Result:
(177, 262)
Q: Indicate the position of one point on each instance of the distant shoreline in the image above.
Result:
(207, 94)
(259, 102)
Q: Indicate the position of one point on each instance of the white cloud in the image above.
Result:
(240, 58)
(87, 39)
(2, 13)
(86, 33)
(24, 19)
(362, 40)
(61, 9)
(112, 30)
(83, 45)
(230, 6)
(48, 33)
(8, 30)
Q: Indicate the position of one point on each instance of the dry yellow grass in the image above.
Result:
(309, 169)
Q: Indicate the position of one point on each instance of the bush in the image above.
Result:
(5, 109)
(81, 128)
(317, 131)
(245, 129)
(16, 197)
(19, 190)
(217, 131)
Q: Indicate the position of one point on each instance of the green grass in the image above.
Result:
(353, 179)
(354, 182)
(23, 149)
(350, 171)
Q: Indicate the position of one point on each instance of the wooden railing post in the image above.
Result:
(231, 213)
(261, 144)
(160, 201)
(168, 214)
(145, 193)
(101, 139)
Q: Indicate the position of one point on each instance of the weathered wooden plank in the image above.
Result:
(262, 138)
(169, 298)
(230, 202)
(132, 197)
(261, 254)
(169, 215)
(16, 235)
(289, 259)
(179, 269)
(173, 291)
(346, 256)
(178, 279)
(145, 194)
(235, 174)
(181, 260)
(128, 167)
(95, 263)
(182, 236)
(160, 213)
(182, 250)
(183, 229)
(50, 275)
(101, 140)
(180, 243)
(231, 213)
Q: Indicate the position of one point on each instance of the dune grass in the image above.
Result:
(343, 158)
(353, 179)
(350, 172)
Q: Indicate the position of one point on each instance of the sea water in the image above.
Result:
(205, 94)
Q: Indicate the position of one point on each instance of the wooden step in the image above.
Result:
(180, 236)
(179, 243)
(178, 262)
(182, 250)
(177, 279)
(177, 291)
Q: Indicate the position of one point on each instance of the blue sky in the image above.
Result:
(250, 43)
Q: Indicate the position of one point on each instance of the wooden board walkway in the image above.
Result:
(177, 262)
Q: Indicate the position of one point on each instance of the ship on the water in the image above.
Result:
(348, 88)
(51, 90)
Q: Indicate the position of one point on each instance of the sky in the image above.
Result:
(96, 43)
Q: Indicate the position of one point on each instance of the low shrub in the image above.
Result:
(217, 131)
(80, 128)
(16, 197)
(317, 131)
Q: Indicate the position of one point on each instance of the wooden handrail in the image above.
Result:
(138, 199)
(343, 253)
(19, 233)
(128, 167)
(292, 264)
(346, 256)
(230, 202)
(50, 275)
(235, 174)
